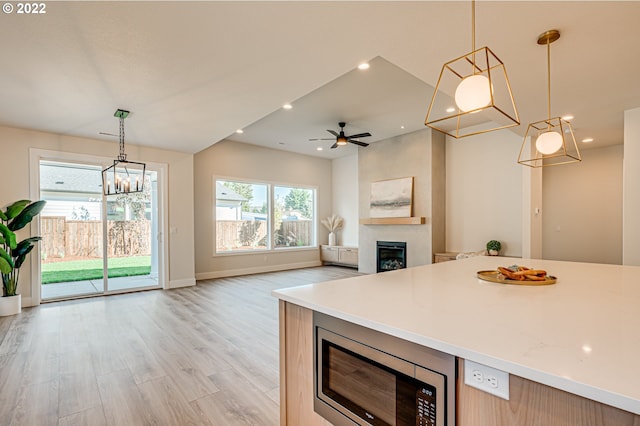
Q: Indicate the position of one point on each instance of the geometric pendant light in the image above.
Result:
(123, 177)
(549, 142)
(481, 91)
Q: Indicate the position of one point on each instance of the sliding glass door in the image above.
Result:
(131, 250)
(92, 244)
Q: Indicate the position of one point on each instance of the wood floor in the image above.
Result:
(203, 355)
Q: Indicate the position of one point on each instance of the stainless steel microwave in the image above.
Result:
(364, 377)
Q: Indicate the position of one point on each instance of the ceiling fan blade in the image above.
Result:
(322, 139)
(333, 132)
(358, 142)
(335, 145)
(359, 135)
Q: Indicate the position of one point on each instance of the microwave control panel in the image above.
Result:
(426, 406)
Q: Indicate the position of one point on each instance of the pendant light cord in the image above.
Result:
(473, 36)
(122, 156)
(547, 38)
(473, 25)
(549, 82)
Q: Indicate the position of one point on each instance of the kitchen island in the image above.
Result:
(571, 348)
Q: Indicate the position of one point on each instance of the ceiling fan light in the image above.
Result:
(549, 142)
(473, 92)
(341, 141)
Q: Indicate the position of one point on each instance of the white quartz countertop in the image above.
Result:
(581, 335)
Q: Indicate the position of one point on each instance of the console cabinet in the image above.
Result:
(339, 255)
(444, 257)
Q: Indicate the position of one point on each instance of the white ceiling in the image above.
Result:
(194, 72)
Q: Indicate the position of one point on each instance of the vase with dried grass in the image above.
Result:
(333, 223)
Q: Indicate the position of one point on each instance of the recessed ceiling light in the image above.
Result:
(319, 148)
(239, 131)
(280, 143)
(402, 127)
(568, 117)
(287, 106)
(363, 66)
(451, 109)
(587, 140)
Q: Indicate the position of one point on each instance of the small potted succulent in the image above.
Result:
(494, 247)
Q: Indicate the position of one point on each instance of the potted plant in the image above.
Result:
(332, 223)
(494, 247)
(13, 253)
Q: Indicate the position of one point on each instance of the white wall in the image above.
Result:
(531, 212)
(484, 192)
(345, 196)
(244, 161)
(15, 145)
(631, 194)
(582, 208)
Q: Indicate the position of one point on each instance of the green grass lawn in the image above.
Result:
(79, 270)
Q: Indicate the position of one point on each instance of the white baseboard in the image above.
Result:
(186, 282)
(27, 302)
(256, 270)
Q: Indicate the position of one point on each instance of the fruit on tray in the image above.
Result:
(522, 273)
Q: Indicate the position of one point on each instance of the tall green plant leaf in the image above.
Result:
(23, 246)
(14, 209)
(3, 216)
(19, 260)
(26, 215)
(8, 236)
(5, 256)
(5, 267)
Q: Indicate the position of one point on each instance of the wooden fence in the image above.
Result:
(252, 234)
(62, 238)
(294, 233)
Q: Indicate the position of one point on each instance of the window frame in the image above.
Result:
(271, 216)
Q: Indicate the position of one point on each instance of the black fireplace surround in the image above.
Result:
(390, 255)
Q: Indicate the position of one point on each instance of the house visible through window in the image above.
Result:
(253, 216)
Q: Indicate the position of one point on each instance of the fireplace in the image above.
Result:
(390, 255)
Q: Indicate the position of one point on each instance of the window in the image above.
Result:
(293, 217)
(253, 216)
(242, 216)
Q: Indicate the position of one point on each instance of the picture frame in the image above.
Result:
(391, 198)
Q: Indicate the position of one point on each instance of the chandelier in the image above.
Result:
(123, 177)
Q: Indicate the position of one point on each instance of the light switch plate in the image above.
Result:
(486, 379)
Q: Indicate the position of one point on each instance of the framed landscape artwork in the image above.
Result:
(391, 198)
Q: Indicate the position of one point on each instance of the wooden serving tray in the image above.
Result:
(497, 277)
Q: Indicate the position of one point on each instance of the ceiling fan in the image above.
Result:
(342, 139)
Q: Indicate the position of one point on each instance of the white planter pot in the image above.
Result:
(493, 252)
(10, 305)
(332, 238)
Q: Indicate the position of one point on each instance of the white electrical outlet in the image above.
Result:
(487, 379)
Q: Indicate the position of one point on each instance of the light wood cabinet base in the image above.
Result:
(339, 255)
(534, 404)
(296, 367)
(530, 404)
